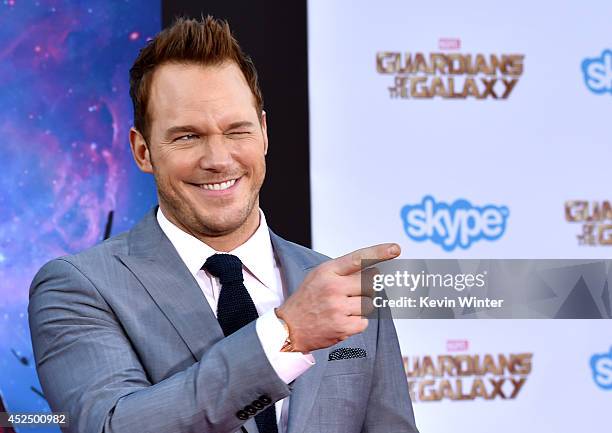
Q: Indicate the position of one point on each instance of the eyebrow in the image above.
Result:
(240, 124)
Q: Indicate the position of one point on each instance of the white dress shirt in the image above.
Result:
(262, 280)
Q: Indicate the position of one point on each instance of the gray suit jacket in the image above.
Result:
(125, 341)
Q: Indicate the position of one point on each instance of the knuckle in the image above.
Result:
(363, 325)
(328, 304)
(356, 259)
(337, 316)
(333, 287)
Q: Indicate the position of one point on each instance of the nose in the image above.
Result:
(216, 155)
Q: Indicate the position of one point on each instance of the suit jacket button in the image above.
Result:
(258, 404)
(250, 409)
(265, 399)
(242, 415)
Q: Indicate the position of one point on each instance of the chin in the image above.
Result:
(222, 223)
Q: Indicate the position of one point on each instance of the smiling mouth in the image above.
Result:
(220, 186)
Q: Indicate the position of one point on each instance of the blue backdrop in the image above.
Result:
(64, 150)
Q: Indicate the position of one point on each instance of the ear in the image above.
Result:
(140, 151)
(264, 130)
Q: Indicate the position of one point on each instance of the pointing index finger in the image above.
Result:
(353, 262)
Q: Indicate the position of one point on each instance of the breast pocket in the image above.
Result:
(347, 366)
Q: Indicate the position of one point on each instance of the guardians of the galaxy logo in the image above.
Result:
(450, 75)
(596, 220)
(467, 377)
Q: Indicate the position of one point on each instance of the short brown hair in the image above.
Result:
(207, 41)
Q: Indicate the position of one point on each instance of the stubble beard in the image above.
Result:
(187, 218)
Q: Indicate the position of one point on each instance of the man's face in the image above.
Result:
(206, 148)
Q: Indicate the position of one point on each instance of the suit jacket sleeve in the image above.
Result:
(88, 368)
(389, 409)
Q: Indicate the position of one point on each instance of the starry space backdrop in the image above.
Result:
(65, 160)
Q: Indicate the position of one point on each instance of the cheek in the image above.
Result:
(178, 165)
(253, 158)
(259, 169)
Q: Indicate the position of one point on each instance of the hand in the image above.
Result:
(330, 305)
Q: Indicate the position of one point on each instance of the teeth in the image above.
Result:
(219, 186)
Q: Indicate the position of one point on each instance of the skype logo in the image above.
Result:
(456, 225)
(598, 73)
(601, 364)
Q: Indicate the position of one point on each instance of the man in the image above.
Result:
(156, 330)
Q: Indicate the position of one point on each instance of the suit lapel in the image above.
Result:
(305, 387)
(154, 261)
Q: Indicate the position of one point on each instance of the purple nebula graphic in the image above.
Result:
(64, 149)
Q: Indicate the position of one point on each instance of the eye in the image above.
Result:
(186, 137)
(238, 133)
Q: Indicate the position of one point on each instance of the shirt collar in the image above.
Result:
(256, 254)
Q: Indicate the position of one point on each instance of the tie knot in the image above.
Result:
(226, 267)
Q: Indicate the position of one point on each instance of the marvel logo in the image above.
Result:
(449, 43)
(456, 345)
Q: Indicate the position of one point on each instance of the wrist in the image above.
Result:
(288, 343)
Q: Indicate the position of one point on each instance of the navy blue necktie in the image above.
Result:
(236, 309)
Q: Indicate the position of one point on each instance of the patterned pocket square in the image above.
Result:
(347, 353)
